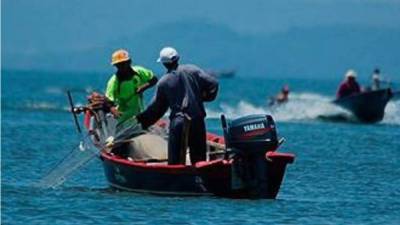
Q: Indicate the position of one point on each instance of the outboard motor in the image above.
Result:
(250, 135)
(247, 140)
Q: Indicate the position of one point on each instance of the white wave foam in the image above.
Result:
(302, 106)
(307, 106)
(62, 91)
(41, 106)
(392, 113)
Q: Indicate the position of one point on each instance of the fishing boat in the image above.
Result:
(367, 106)
(220, 177)
(244, 163)
(222, 73)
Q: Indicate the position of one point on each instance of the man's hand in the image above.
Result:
(115, 112)
(149, 84)
(142, 88)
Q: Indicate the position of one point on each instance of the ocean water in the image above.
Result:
(344, 172)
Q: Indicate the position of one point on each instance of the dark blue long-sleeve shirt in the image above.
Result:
(171, 91)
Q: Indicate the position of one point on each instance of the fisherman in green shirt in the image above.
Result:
(126, 86)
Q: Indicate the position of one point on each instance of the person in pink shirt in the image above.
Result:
(349, 86)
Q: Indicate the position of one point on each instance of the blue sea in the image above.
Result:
(344, 173)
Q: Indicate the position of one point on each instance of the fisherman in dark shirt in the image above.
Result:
(349, 86)
(183, 89)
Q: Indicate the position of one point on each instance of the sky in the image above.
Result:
(54, 25)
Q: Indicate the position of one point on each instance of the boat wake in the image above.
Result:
(392, 113)
(39, 106)
(302, 107)
(30, 105)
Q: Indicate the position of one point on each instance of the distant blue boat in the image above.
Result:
(222, 73)
(368, 107)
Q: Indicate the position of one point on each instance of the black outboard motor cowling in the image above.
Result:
(247, 140)
(251, 135)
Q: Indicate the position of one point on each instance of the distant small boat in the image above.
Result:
(368, 106)
(222, 73)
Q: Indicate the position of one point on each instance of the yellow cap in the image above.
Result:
(118, 56)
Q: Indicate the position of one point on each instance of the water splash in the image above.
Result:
(302, 107)
(309, 106)
(392, 113)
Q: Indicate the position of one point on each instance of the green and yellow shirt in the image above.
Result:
(128, 102)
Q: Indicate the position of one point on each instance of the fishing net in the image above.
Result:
(73, 161)
(110, 135)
